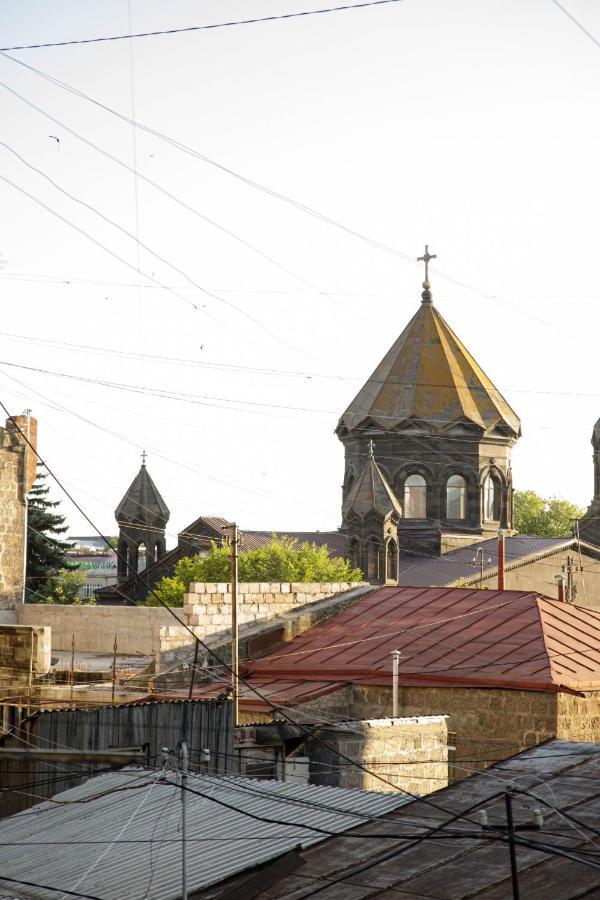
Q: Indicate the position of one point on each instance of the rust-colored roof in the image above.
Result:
(430, 376)
(280, 692)
(448, 636)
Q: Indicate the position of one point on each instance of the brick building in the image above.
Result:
(17, 474)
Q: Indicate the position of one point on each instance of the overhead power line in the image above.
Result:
(577, 23)
(210, 27)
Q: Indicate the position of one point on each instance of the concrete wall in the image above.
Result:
(137, 627)
(24, 654)
(411, 753)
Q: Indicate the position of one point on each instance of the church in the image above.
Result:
(427, 484)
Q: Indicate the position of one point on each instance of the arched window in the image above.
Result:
(373, 560)
(491, 500)
(415, 497)
(391, 562)
(456, 497)
(354, 554)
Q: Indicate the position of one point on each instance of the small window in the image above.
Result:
(415, 497)
(456, 497)
(490, 500)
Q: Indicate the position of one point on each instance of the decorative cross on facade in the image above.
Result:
(144, 457)
(425, 258)
(371, 449)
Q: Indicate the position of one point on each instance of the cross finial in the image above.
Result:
(144, 454)
(371, 449)
(427, 256)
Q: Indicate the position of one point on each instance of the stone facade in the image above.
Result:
(410, 753)
(17, 474)
(484, 724)
(25, 655)
(207, 606)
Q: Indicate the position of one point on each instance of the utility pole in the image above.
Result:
(395, 664)
(576, 532)
(234, 542)
(570, 569)
(501, 560)
(511, 845)
(184, 776)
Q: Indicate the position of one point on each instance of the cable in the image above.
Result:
(577, 23)
(47, 887)
(190, 28)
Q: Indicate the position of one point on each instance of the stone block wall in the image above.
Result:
(17, 474)
(24, 654)
(409, 753)
(207, 606)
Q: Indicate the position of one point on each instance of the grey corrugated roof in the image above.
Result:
(132, 804)
(419, 570)
(561, 774)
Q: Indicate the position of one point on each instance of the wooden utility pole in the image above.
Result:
(72, 670)
(570, 569)
(114, 670)
(234, 622)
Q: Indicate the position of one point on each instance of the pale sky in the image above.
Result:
(471, 125)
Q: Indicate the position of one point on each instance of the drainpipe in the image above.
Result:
(501, 560)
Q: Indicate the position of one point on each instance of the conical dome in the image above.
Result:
(371, 493)
(142, 503)
(429, 375)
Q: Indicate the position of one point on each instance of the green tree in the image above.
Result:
(63, 587)
(283, 559)
(45, 549)
(550, 517)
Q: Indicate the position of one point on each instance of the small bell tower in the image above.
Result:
(142, 516)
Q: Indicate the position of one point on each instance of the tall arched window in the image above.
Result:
(415, 497)
(373, 560)
(490, 499)
(456, 497)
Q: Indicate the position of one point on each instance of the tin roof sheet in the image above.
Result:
(563, 774)
(448, 636)
(119, 835)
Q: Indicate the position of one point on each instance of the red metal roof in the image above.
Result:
(279, 691)
(447, 636)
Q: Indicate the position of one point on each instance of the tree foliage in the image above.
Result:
(63, 587)
(283, 559)
(550, 517)
(45, 549)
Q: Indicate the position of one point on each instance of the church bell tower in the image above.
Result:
(142, 516)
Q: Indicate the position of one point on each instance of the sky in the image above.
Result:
(471, 126)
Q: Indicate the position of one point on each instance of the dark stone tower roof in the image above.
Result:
(371, 493)
(142, 503)
(428, 375)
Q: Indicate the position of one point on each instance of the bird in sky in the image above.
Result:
(57, 139)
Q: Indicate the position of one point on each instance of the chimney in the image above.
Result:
(560, 581)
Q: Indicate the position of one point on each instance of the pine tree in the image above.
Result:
(45, 549)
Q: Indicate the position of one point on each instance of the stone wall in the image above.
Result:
(578, 716)
(24, 655)
(484, 725)
(17, 474)
(410, 753)
(207, 606)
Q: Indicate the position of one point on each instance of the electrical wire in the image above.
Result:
(190, 28)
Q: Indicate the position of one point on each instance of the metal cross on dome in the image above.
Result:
(425, 258)
(144, 455)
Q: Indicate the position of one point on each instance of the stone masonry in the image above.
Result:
(17, 474)
(25, 655)
(411, 753)
(207, 606)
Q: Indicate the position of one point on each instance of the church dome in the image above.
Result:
(428, 375)
(142, 504)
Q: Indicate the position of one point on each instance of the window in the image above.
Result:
(415, 497)
(490, 503)
(456, 497)
(373, 560)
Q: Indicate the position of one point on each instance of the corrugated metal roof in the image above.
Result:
(563, 774)
(281, 692)
(420, 570)
(448, 636)
(133, 806)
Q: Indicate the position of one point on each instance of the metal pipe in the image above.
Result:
(560, 581)
(184, 775)
(26, 504)
(501, 560)
(395, 665)
(511, 845)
